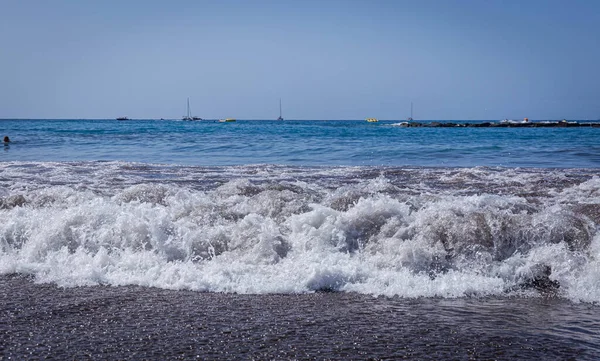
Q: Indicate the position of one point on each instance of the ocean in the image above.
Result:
(168, 239)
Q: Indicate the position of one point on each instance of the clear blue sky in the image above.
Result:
(455, 59)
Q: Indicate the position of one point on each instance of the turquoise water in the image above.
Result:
(301, 143)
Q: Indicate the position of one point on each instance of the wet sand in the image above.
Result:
(43, 321)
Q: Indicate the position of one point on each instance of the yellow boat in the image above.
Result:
(372, 120)
(227, 120)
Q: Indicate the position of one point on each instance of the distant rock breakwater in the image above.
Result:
(509, 124)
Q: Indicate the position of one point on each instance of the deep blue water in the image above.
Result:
(307, 143)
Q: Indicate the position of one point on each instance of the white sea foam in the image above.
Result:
(392, 232)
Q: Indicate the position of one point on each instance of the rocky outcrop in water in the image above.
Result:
(505, 124)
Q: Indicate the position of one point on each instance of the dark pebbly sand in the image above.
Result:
(42, 321)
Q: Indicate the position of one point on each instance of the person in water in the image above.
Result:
(6, 139)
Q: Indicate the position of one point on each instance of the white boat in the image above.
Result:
(226, 120)
(372, 120)
(189, 113)
(280, 117)
(510, 121)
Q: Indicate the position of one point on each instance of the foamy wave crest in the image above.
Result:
(392, 232)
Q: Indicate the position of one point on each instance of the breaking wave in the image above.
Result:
(408, 232)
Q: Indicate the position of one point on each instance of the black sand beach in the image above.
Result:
(42, 321)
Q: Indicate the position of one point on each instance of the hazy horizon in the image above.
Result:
(329, 60)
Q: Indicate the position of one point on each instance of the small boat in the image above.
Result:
(372, 120)
(510, 121)
(226, 120)
(280, 117)
(189, 113)
(411, 112)
(122, 118)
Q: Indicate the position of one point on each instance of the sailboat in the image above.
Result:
(411, 112)
(189, 114)
(280, 117)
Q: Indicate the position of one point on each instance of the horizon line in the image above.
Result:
(299, 119)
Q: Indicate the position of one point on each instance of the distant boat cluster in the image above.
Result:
(505, 123)
(189, 115)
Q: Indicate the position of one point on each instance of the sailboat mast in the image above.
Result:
(188, 107)
(411, 110)
(280, 117)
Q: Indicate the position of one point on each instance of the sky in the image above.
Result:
(327, 59)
